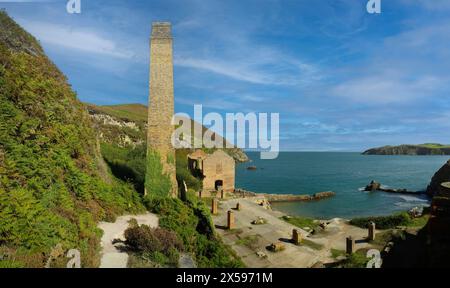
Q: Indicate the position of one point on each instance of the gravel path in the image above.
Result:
(112, 257)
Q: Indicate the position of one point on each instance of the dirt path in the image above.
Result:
(112, 257)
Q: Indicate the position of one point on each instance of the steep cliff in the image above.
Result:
(442, 175)
(54, 186)
(424, 149)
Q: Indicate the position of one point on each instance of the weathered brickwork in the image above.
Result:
(161, 100)
(217, 171)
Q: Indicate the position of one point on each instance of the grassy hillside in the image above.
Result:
(117, 131)
(54, 185)
(128, 112)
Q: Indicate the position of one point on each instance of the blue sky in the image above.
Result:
(341, 79)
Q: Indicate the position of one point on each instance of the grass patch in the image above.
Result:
(311, 244)
(391, 222)
(383, 222)
(335, 253)
(300, 222)
(419, 222)
(251, 241)
(356, 260)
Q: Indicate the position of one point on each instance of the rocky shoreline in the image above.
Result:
(375, 186)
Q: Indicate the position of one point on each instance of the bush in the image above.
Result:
(191, 221)
(183, 173)
(144, 239)
(383, 222)
(127, 164)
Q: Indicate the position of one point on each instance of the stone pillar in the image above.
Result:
(238, 206)
(230, 223)
(161, 111)
(296, 237)
(371, 231)
(350, 245)
(214, 209)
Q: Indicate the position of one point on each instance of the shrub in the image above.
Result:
(383, 222)
(191, 221)
(158, 245)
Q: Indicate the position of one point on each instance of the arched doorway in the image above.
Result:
(218, 185)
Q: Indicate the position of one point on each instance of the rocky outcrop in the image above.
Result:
(425, 149)
(238, 155)
(113, 130)
(441, 176)
(375, 186)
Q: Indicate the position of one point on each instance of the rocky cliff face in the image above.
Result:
(410, 150)
(443, 175)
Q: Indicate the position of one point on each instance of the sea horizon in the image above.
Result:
(346, 174)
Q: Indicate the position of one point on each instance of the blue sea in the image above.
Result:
(344, 173)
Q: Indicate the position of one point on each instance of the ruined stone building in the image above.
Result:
(161, 105)
(217, 171)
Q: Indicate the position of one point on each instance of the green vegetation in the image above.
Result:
(127, 164)
(192, 223)
(53, 187)
(158, 246)
(356, 260)
(301, 222)
(335, 253)
(311, 244)
(183, 173)
(128, 112)
(393, 221)
(421, 149)
(384, 222)
(250, 241)
(157, 183)
(434, 145)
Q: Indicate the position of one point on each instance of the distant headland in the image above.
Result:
(421, 149)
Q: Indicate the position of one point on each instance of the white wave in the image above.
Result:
(408, 198)
(409, 205)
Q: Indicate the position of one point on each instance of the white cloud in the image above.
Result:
(275, 71)
(405, 68)
(74, 39)
(384, 89)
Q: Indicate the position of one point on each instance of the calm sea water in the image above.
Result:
(343, 173)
